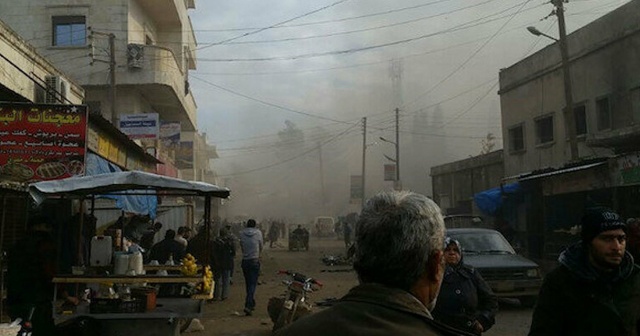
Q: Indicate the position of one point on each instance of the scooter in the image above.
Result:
(293, 305)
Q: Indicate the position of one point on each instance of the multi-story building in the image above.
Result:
(605, 74)
(147, 46)
(131, 57)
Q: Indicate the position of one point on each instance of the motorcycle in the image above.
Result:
(293, 305)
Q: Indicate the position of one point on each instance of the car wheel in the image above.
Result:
(528, 301)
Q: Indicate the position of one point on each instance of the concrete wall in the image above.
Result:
(24, 56)
(604, 63)
(164, 69)
(455, 183)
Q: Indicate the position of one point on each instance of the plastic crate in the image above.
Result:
(115, 306)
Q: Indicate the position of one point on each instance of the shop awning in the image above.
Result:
(129, 183)
(489, 201)
(534, 176)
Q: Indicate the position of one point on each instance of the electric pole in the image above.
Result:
(321, 174)
(112, 69)
(112, 76)
(398, 184)
(364, 157)
(569, 116)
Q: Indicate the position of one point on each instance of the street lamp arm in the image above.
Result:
(385, 140)
(388, 158)
(533, 30)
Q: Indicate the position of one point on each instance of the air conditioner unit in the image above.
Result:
(56, 90)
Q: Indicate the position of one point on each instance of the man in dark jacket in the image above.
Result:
(166, 248)
(398, 259)
(596, 289)
(224, 251)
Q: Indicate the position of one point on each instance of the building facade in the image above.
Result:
(456, 183)
(605, 75)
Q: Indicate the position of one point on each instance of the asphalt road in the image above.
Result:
(226, 318)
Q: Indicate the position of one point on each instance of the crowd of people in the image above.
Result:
(412, 278)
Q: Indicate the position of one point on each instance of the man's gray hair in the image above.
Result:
(395, 234)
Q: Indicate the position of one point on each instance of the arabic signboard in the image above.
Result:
(170, 134)
(42, 142)
(184, 155)
(390, 172)
(140, 126)
(629, 169)
(356, 187)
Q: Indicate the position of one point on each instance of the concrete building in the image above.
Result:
(605, 75)
(455, 183)
(154, 47)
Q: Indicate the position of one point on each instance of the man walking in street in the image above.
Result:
(251, 242)
(596, 289)
(398, 258)
(224, 251)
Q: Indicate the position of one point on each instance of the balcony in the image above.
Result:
(163, 12)
(155, 72)
(620, 140)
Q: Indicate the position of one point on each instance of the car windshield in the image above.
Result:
(483, 243)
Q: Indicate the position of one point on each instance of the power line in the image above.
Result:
(272, 26)
(361, 30)
(291, 158)
(268, 103)
(465, 25)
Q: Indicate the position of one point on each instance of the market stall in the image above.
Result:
(137, 310)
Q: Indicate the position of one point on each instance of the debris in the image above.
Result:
(195, 325)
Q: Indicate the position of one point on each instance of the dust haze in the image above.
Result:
(285, 116)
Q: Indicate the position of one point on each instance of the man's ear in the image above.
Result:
(434, 265)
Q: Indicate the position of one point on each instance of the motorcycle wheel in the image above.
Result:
(281, 321)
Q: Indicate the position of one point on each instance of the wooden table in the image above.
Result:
(165, 319)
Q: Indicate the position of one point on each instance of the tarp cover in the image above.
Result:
(489, 201)
(132, 182)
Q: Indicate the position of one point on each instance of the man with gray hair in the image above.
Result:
(399, 261)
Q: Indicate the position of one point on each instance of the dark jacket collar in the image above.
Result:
(393, 298)
(575, 259)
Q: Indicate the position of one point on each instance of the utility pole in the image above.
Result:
(112, 70)
(112, 75)
(321, 174)
(569, 116)
(398, 184)
(364, 157)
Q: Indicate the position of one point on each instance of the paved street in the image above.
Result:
(224, 318)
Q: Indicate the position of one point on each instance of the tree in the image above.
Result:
(488, 144)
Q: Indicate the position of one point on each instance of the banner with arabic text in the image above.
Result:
(42, 142)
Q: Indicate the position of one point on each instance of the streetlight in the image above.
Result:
(569, 117)
(533, 30)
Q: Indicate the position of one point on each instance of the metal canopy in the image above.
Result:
(129, 182)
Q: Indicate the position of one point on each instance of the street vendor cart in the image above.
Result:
(144, 313)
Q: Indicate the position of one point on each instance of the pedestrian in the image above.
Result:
(251, 242)
(596, 289)
(466, 301)
(167, 249)
(30, 271)
(399, 262)
(181, 236)
(273, 234)
(224, 251)
(346, 234)
(235, 239)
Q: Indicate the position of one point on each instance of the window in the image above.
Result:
(516, 139)
(580, 116)
(544, 130)
(69, 31)
(603, 113)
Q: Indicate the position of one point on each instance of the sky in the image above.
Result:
(323, 65)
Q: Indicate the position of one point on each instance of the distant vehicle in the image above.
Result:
(507, 273)
(324, 226)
